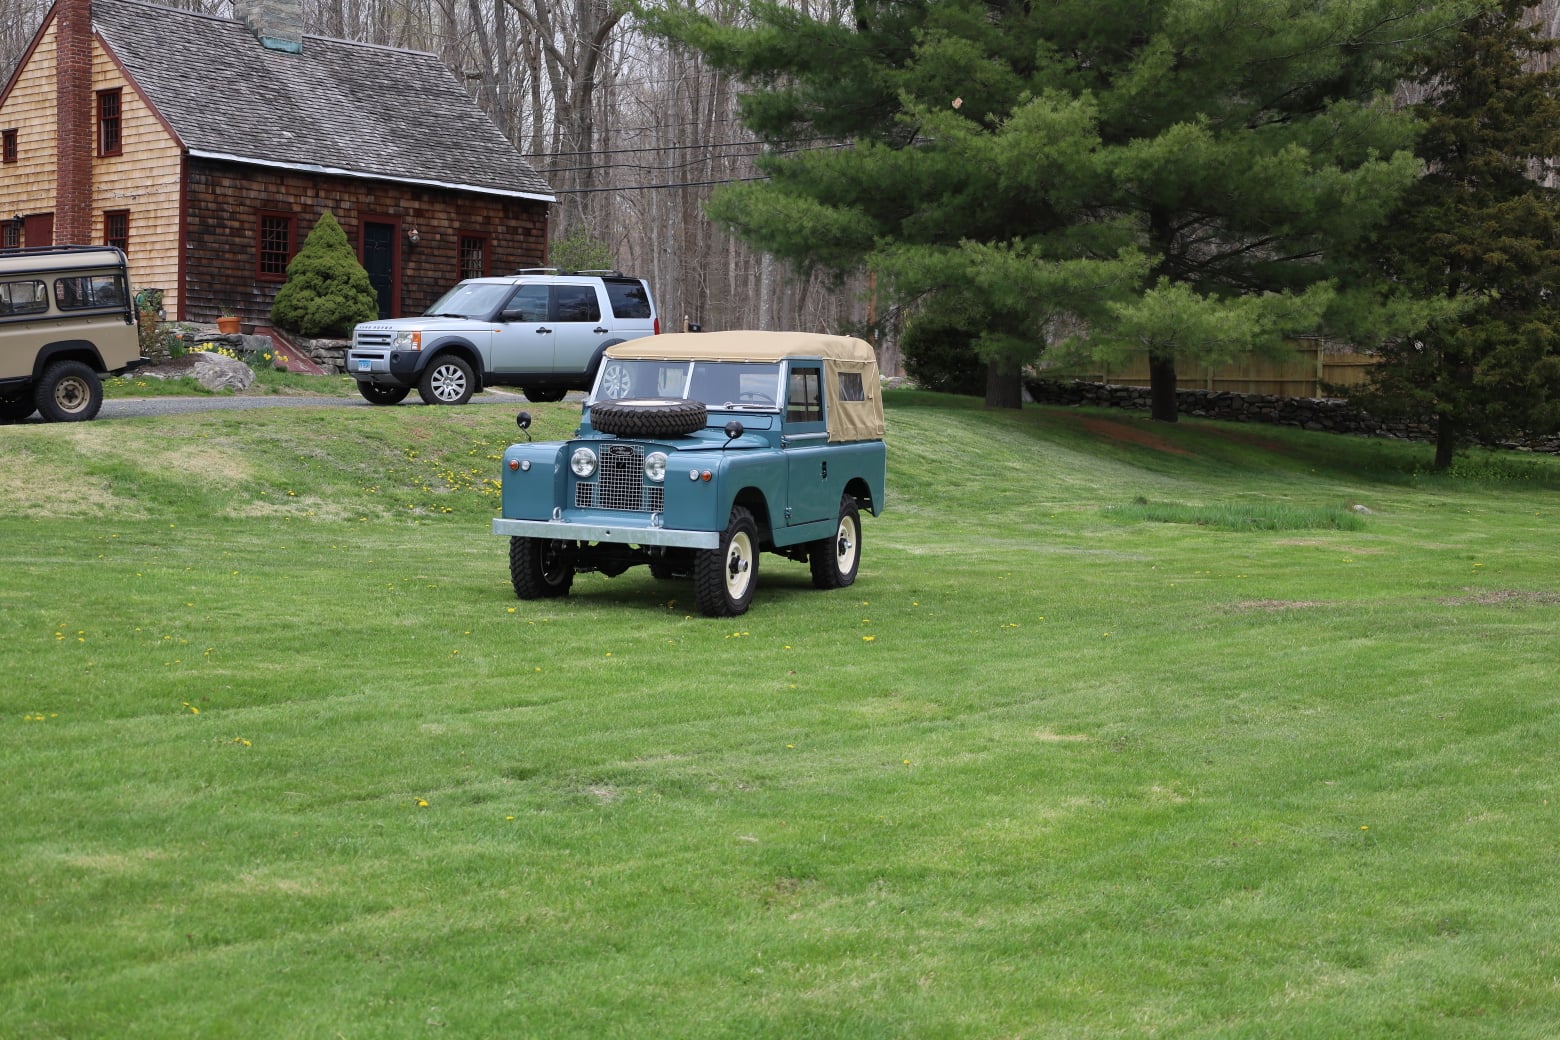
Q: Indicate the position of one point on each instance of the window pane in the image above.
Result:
(577, 303)
(108, 122)
(9, 146)
(275, 245)
(29, 297)
(116, 229)
(629, 299)
(473, 257)
(86, 291)
(802, 403)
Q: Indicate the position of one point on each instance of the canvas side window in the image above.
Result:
(803, 399)
(851, 388)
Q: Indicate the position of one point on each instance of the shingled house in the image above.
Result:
(207, 147)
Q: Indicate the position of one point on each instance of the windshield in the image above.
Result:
(726, 385)
(470, 300)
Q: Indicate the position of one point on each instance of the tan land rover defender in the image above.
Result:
(66, 319)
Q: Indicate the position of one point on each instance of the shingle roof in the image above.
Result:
(338, 107)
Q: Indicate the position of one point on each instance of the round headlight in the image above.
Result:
(583, 462)
(655, 466)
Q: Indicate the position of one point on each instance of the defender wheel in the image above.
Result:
(724, 578)
(382, 393)
(834, 560)
(648, 416)
(15, 409)
(540, 568)
(448, 380)
(69, 392)
(543, 394)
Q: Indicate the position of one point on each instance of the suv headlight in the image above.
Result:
(655, 466)
(583, 462)
(406, 340)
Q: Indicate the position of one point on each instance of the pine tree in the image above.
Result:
(1094, 163)
(1481, 235)
(327, 291)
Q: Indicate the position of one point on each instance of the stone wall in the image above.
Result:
(1332, 415)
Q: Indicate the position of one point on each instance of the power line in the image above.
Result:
(656, 187)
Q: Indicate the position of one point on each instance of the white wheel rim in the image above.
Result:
(739, 565)
(615, 382)
(845, 545)
(71, 394)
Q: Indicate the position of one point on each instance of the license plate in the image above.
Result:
(365, 365)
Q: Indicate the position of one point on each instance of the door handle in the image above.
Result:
(600, 331)
(540, 329)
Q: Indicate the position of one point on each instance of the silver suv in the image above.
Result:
(538, 329)
(66, 319)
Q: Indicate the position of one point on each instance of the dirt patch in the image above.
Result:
(1272, 605)
(1109, 429)
(1503, 598)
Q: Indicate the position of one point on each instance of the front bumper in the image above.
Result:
(625, 534)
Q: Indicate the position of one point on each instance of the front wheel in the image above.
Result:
(724, 577)
(540, 568)
(382, 393)
(447, 380)
(69, 392)
(834, 560)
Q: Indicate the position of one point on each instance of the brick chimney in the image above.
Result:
(278, 24)
(73, 118)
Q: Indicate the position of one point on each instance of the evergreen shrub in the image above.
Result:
(327, 290)
(939, 355)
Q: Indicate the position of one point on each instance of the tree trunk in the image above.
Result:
(1446, 437)
(1161, 388)
(1004, 383)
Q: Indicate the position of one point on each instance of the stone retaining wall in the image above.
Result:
(1333, 415)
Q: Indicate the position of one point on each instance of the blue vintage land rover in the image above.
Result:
(696, 453)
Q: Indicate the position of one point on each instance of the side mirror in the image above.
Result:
(512, 314)
(523, 420)
(733, 430)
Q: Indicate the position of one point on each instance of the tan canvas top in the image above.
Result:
(852, 387)
(743, 346)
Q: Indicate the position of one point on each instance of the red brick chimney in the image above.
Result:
(73, 118)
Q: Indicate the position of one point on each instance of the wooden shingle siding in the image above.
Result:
(226, 200)
(27, 185)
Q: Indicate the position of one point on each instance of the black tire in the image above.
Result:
(543, 394)
(648, 416)
(383, 393)
(15, 409)
(834, 560)
(724, 578)
(540, 568)
(447, 380)
(69, 392)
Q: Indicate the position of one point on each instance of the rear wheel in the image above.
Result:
(724, 577)
(69, 392)
(543, 394)
(834, 560)
(383, 393)
(540, 568)
(15, 409)
(447, 380)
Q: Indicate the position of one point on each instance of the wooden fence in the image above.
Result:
(1315, 371)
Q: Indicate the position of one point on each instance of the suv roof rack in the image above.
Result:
(602, 271)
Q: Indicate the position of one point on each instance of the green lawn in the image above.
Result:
(1125, 730)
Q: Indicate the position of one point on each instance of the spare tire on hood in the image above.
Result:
(648, 416)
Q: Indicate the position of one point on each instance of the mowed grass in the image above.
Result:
(284, 756)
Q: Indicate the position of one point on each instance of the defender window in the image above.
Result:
(23, 297)
(804, 397)
(87, 291)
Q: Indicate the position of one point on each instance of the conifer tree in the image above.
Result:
(1481, 234)
(327, 291)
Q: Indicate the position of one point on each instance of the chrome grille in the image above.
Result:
(620, 483)
(371, 338)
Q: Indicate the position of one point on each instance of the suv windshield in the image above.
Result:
(726, 385)
(475, 300)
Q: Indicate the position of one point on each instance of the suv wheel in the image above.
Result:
(724, 578)
(381, 393)
(834, 560)
(543, 394)
(540, 568)
(448, 380)
(69, 392)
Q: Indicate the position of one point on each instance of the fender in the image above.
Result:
(68, 350)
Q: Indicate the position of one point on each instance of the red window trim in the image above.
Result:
(487, 253)
(8, 148)
(261, 274)
(110, 126)
(108, 239)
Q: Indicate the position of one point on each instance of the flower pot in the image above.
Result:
(229, 325)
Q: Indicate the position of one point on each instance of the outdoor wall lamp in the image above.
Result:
(412, 237)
